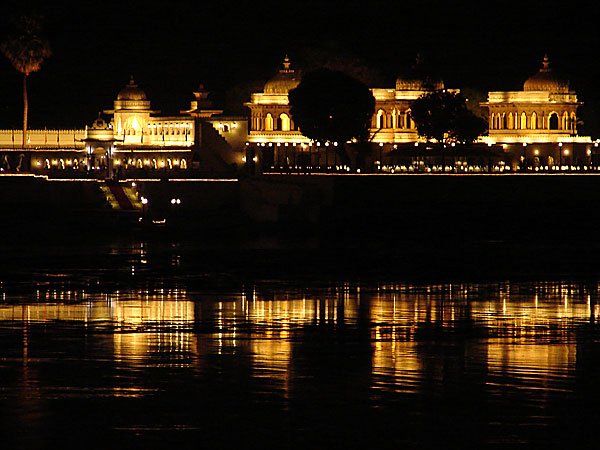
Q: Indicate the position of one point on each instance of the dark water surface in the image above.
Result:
(132, 344)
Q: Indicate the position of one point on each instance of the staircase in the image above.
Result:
(121, 197)
(215, 152)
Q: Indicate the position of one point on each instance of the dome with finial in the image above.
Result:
(546, 80)
(286, 80)
(418, 78)
(131, 92)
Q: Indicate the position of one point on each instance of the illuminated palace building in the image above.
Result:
(539, 123)
(136, 141)
(534, 128)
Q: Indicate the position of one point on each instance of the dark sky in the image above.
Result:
(173, 46)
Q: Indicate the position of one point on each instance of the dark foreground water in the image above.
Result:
(159, 345)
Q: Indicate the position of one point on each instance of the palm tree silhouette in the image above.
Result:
(26, 49)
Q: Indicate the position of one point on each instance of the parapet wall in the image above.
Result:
(42, 138)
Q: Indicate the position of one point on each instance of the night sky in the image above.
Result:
(228, 45)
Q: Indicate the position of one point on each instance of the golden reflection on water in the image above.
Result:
(524, 332)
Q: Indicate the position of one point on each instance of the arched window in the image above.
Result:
(523, 121)
(511, 122)
(269, 122)
(381, 118)
(553, 121)
(183, 164)
(492, 121)
(573, 124)
(285, 122)
(533, 121)
(139, 163)
(504, 121)
(408, 120)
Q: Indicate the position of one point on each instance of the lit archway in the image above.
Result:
(553, 121)
(381, 118)
(269, 122)
(285, 122)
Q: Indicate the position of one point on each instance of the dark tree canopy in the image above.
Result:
(331, 106)
(26, 48)
(444, 117)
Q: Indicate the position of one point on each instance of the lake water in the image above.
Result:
(138, 344)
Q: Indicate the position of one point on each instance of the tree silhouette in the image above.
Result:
(330, 106)
(26, 49)
(443, 116)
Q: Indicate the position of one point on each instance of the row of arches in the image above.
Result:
(134, 127)
(153, 163)
(270, 122)
(395, 119)
(523, 121)
(175, 129)
(100, 161)
(382, 119)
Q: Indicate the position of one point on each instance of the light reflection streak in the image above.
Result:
(525, 333)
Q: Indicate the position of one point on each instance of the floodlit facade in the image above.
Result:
(532, 129)
(270, 118)
(539, 123)
(275, 142)
(544, 111)
(135, 139)
(271, 121)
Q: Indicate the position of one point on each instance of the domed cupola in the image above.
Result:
(418, 78)
(546, 80)
(131, 92)
(286, 80)
(131, 97)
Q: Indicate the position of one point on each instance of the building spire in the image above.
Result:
(286, 66)
(546, 64)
